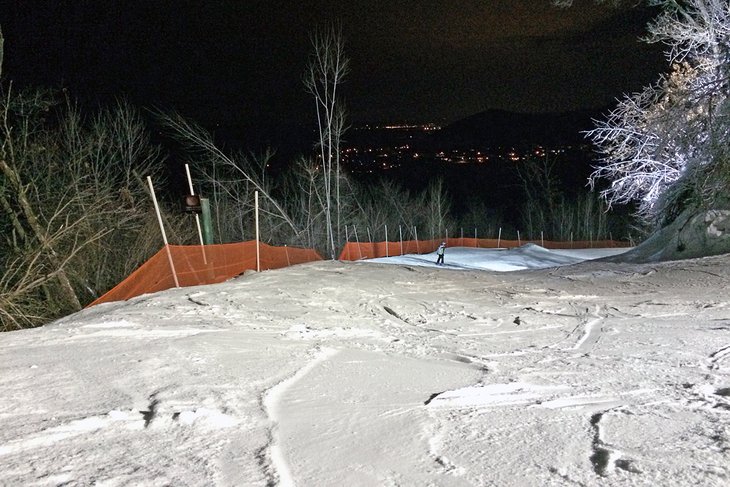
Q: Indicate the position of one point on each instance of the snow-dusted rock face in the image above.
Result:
(718, 223)
(691, 235)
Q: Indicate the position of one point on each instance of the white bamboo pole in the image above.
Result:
(400, 231)
(162, 229)
(197, 217)
(542, 238)
(519, 241)
(258, 250)
(286, 251)
(415, 233)
(499, 237)
(386, 241)
(359, 249)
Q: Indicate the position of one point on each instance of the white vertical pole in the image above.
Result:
(162, 229)
(370, 238)
(462, 236)
(197, 217)
(519, 241)
(386, 241)
(415, 233)
(359, 249)
(542, 238)
(286, 251)
(400, 231)
(499, 237)
(476, 244)
(258, 251)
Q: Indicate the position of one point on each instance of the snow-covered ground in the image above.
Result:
(364, 374)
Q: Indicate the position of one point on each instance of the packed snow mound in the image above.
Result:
(528, 256)
(690, 236)
(334, 373)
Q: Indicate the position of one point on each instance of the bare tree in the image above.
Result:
(437, 205)
(70, 201)
(2, 51)
(237, 176)
(326, 71)
(14, 153)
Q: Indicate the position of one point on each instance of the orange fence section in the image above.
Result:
(196, 264)
(368, 250)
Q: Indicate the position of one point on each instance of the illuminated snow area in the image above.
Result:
(365, 374)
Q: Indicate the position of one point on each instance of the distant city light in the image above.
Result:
(379, 152)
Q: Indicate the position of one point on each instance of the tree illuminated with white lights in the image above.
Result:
(666, 148)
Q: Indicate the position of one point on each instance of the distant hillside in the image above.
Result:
(502, 128)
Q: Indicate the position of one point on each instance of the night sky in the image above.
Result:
(241, 62)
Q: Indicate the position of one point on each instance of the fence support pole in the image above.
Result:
(258, 250)
(347, 241)
(519, 240)
(542, 239)
(400, 231)
(359, 249)
(386, 241)
(162, 229)
(415, 233)
(499, 237)
(476, 243)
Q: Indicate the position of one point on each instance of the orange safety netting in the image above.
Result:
(209, 264)
(369, 250)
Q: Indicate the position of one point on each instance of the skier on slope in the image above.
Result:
(440, 253)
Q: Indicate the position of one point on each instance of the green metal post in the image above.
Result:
(207, 221)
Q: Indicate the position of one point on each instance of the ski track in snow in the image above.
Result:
(591, 333)
(719, 356)
(272, 406)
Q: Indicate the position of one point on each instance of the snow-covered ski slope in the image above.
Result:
(365, 374)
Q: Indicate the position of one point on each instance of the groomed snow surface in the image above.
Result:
(366, 374)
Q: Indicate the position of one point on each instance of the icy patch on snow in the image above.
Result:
(112, 324)
(142, 333)
(304, 332)
(56, 434)
(510, 394)
(207, 417)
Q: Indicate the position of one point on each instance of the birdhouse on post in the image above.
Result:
(191, 203)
